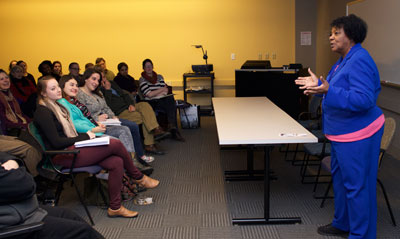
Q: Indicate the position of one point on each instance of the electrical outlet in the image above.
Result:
(260, 56)
(233, 56)
(274, 56)
(267, 56)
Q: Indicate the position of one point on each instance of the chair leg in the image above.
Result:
(326, 195)
(59, 190)
(81, 199)
(286, 153)
(387, 202)
(101, 191)
(317, 177)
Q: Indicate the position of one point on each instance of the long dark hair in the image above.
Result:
(88, 73)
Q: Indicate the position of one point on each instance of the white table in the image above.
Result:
(256, 121)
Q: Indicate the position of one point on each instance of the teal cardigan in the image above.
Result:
(81, 123)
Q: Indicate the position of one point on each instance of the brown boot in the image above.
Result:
(148, 182)
(122, 212)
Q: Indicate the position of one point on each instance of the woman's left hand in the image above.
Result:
(321, 89)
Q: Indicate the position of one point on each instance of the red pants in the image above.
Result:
(112, 157)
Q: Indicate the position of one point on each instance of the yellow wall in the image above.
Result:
(163, 30)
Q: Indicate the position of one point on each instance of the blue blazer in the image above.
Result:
(350, 103)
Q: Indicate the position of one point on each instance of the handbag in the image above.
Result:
(189, 115)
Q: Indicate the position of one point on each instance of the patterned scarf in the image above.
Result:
(85, 111)
(6, 97)
(152, 79)
(63, 117)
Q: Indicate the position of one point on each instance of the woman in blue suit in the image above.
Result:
(354, 124)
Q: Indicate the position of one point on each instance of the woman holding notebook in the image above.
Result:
(83, 121)
(58, 132)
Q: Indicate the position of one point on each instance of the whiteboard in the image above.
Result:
(383, 37)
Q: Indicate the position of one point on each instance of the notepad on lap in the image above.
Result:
(108, 122)
(93, 142)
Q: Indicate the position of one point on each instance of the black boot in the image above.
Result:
(329, 230)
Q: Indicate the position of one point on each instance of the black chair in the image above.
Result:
(318, 150)
(390, 128)
(311, 120)
(64, 173)
(21, 230)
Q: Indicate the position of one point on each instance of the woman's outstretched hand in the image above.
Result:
(310, 84)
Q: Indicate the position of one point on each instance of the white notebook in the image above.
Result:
(111, 122)
(93, 142)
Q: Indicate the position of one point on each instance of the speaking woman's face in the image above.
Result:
(339, 42)
(71, 88)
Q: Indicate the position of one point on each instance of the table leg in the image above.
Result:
(246, 175)
(266, 219)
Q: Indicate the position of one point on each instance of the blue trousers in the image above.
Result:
(354, 174)
(137, 140)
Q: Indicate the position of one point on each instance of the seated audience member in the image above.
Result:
(11, 65)
(89, 65)
(102, 63)
(46, 68)
(19, 205)
(57, 68)
(22, 150)
(126, 81)
(74, 72)
(132, 143)
(54, 124)
(26, 74)
(155, 91)
(11, 116)
(90, 95)
(141, 113)
(23, 90)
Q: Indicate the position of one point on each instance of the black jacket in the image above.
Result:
(18, 203)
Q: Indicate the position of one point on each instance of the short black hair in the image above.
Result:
(354, 27)
(45, 62)
(72, 64)
(145, 61)
(122, 64)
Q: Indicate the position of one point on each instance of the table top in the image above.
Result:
(256, 120)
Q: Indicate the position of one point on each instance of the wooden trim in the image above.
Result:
(390, 84)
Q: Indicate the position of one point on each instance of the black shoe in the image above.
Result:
(142, 162)
(151, 149)
(177, 136)
(160, 134)
(148, 170)
(329, 230)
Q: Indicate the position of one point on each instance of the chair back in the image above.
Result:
(46, 164)
(390, 128)
(314, 106)
(388, 133)
(34, 131)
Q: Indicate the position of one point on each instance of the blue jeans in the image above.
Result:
(137, 141)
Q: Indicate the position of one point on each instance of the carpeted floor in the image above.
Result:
(193, 200)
